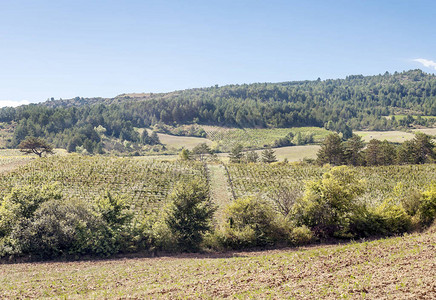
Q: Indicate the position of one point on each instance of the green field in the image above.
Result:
(226, 138)
(380, 182)
(145, 182)
(179, 142)
(393, 268)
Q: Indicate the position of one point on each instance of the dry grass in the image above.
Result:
(291, 153)
(394, 268)
(178, 142)
(393, 136)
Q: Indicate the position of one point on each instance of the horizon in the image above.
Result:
(62, 50)
(10, 103)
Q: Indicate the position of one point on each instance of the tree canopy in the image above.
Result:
(36, 146)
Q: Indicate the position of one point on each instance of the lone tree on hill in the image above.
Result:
(35, 145)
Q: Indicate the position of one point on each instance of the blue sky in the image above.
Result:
(64, 49)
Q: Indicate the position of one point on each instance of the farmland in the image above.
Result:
(393, 268)
(143, 181)
(381, 182)
(226, 138)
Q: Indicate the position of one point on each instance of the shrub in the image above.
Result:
(301, 235)
(252, 222)
(190, 214)
(427, 206)
(394, 217)
(22, 202)
(328, 204)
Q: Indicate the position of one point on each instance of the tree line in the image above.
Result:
(421, 149)
(356, 102)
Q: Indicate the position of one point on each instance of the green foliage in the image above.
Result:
(185, 154)
(377, 153)
(113, 210)
(355, 102)
(36, 146)
(427, 206)
(328, 203)
(252, 222)
(236, 154)
(63, 228)
(352, 150)
(202, 151)
(190, 214)
(251, 157)
(301, 235)
(394, 218)
(331, 151)
(268, 156)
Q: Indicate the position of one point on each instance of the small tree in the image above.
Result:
(185, 154)
(268, 156)
(252, 157)
(352, 150)
(190, 214)
(331, 151)
(236, 154)
(154, 139)
(35, 145)
(201, 151)
(329, 203)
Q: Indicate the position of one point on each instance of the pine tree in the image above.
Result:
(251, 157)
(236, 154)
(331, 151)
(268, 156)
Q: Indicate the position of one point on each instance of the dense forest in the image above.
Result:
(356, 102)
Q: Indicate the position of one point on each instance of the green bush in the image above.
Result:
(190, 214)
(329, 203)
(61, 228)
(22, 202)
(365, 222)
(394, 217)
(252, 222)
(301, 235)
(427, 206)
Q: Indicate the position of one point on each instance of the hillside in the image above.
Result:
(356, 102)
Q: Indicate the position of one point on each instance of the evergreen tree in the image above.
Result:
(236, 154)
(202, 151)
(36, 146)
(251, 157)
(190, 214)
(145, 138)
(423, 150)
(154, 139)
(185, 154)
(332, 151)
(352, 150)
(268, 156)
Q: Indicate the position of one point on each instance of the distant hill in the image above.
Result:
(356, 102)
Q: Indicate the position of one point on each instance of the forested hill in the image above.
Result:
(357, 102)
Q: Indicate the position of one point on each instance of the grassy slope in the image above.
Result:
(178, 142)
(394, 268)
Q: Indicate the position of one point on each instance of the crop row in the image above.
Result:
(380, 182)
(143, 181)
